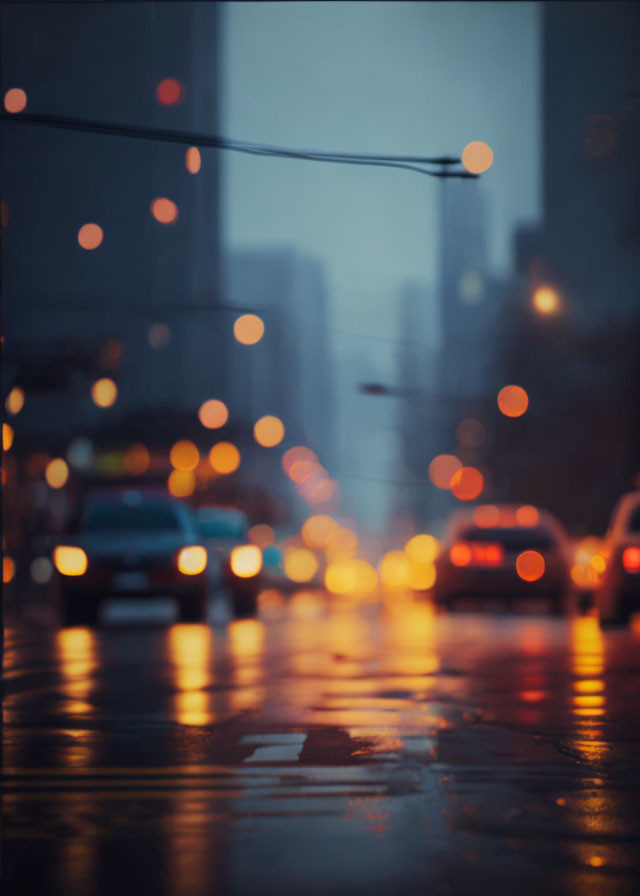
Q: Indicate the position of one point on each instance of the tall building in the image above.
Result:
(71, 314)
(289, 372)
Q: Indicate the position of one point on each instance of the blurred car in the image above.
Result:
(131, 543)
(234, 564)
(619, 593)
(503, 551)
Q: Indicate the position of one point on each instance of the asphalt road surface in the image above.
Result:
(322, 748)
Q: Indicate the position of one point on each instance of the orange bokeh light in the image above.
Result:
(486, 515)
(460, 554)
(104, 392)
(546, 300)
(193, 160)
(477, 157)
(268, 431)
(248, 329)
(8, 569)
(184, 455)
(170, 91)
(467, 484)
(136, 459)
(90, 236)
(513, 401)
(442, 470)
(527, 515)
(224, 457)
(181, 483)
(164, 210)
(213, 413)
(262, 535)
(15, 100)
(297, 453)
(530, 566)
(317, 529)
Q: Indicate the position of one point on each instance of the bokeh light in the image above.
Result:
(15, 100)
(460, 554)
(104, 392)
(546, 300)
(184, 455)
(224, 457)
(246, 561)
(300, 565)
(262, 535)
(181, 483)
(159, 336)
(41, 570)
(14, 401)
(213, 413)
(170, 92)
(136, 459)
(477, 157)
(192, 560)
(7, 437)
(164, 210)
(90, 236)
(422, 548)
(350, 575)
(394, 570)
(57, 472)
(248, 329)
(513, 401)
(316, 530)
(80, 453)
(530, 566)
(467, 484)
(527, 515)
(70, 560)
(340, 541)
(486, 516)
(193, 160)
(422, 576)
(268, 431)
(295, 454)
(8, 569)
(442, 470)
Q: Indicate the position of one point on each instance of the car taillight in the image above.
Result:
(70, 561)
(192, 560)
(631, 559)
(476, 553)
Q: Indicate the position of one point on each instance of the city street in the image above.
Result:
(325, 746)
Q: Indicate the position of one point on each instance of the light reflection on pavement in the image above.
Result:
(322, 748)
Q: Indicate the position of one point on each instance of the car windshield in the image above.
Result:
(222, 524)
(111, 517)
(518, 538)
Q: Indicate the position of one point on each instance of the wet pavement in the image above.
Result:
(322, 748)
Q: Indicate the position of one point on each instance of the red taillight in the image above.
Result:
(631, 559)
(476, 553)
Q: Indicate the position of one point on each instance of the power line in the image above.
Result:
(408, 163)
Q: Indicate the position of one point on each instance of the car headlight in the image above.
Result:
(192, 560)
(70, 561)
(246, 561)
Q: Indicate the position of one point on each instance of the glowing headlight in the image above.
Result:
(246, 561)
(70, 561)
(192, 560)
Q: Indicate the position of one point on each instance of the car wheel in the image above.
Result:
(78, 609)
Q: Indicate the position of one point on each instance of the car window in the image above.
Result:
(117, 517)
(217, 524)
(520, 538)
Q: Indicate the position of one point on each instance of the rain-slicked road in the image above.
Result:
(323, 749)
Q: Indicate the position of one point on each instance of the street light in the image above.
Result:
(546, 300)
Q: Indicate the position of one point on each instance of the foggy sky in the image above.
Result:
(375, 77)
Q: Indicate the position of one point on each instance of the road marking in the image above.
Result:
(277, 748)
